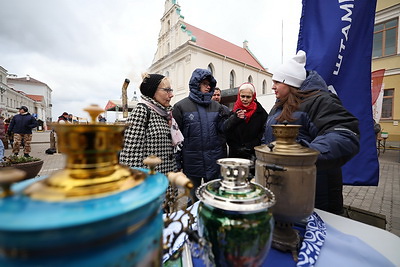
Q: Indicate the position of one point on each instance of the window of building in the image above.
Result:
(264, 87)
(210, 67)
(385, 38)
(232, 79)
(250, 79)
(387, 104)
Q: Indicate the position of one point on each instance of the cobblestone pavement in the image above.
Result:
(383, 199)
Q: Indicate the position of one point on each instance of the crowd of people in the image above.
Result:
(198, 130)
(66, 117)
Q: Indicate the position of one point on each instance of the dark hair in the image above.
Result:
(290, 103)
(24, 108)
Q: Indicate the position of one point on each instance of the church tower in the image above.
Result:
(172, 33)
(183, 47)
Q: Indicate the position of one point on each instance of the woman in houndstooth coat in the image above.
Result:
(149, 130)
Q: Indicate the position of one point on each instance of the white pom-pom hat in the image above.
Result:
(293, 71)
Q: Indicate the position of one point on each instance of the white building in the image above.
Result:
(183, 47)
(36, 90)
(10, 99)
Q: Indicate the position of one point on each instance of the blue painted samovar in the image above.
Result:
(94, 212)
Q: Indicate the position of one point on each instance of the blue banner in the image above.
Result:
(337, 37)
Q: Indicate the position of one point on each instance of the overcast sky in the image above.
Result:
(84, 49)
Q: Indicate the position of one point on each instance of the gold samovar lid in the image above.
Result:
(285, 144)
(92, 168)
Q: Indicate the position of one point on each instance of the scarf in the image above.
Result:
(250, 109)
(176, 134)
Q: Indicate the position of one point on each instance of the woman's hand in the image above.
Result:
(241, 114)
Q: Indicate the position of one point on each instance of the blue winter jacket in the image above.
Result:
(201, 121)
(22, 124)
(326, 125)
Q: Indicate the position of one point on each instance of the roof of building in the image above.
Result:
(38, 98)
(25, 79)
(116, 105)
(218, 45)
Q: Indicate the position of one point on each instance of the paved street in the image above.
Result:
(383, 199)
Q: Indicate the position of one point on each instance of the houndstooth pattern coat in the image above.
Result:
(144, 138)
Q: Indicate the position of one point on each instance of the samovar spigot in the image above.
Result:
(8, 177)
(152, 162)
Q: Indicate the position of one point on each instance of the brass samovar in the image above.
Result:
(94, 212)
(288, 170)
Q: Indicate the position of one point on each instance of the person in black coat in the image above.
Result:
(21, 125)
(326, 126)
(246, 124)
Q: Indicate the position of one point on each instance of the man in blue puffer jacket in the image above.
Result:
(201, 122)
(326, 126)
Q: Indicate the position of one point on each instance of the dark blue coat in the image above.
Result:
(22, 124)
(326, 125)
(201, 122)
(329, 128)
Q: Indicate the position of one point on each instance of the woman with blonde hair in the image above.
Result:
(152, 129)
(245, 126)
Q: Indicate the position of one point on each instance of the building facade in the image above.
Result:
(37, 91)
(183, 47)
(386, 56)
(10, 99)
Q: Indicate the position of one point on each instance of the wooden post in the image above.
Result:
(125, 98)
(53, 140)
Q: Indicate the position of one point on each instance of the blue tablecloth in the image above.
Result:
(337, 249)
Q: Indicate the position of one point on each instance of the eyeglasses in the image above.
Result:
(246, 96)
(168, 90)
(206, 83)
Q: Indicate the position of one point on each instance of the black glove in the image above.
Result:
(9, 133)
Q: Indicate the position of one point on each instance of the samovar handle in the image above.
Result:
(274, 167)
(267, 175)
(180, 179)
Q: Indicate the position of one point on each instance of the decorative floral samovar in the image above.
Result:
(234, 216)
(287, 169)
(94, 212)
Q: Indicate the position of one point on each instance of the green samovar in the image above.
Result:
(234, 216)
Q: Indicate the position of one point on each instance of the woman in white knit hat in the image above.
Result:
(303, 98)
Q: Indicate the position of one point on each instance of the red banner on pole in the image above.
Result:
(376, 83)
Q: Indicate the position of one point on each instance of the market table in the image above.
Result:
(348, 243)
